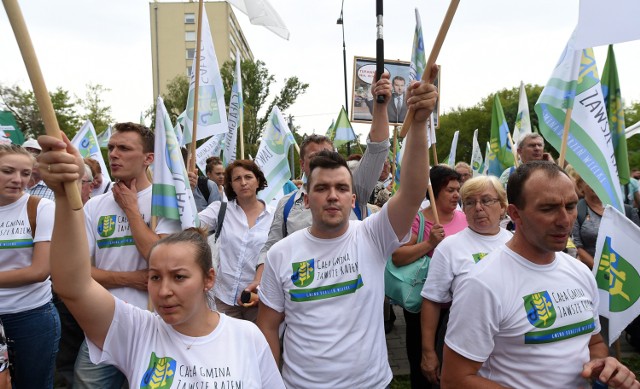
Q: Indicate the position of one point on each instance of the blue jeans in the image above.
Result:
(90, 376)
(32, 340)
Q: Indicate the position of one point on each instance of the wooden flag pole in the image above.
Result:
(39, 87)
(435, 153)
(196, 90)
(565, 137)
(513, 150)
(432, 202)
(437, 45)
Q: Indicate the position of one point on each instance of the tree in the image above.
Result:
(22, 104)
(256, 87)
(95, 109)
(631, 117)
(466, 120)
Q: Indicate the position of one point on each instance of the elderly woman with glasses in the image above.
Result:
(484, 202)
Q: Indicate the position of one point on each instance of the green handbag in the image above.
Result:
(403, 284)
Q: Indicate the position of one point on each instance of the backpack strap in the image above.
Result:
(221, 212)
(287, 209)
(32, 212)
(582, 211)
(204, 187)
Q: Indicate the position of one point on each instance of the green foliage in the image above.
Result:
(95, 109)
(631, 117)
(256, 87)
(22, 103)
(466, 120)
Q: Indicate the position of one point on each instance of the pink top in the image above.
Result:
(457, 224)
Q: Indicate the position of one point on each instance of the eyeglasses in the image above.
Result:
(86, 182)
(485, 203)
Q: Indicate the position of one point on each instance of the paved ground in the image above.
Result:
(398, 356)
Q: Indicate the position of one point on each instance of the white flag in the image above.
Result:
(212, 116)
(523, 121)
(476, 156)
(452, 152)
(272, 155)
(603, 22)
(211, 148)
(86, 141)
(236, 112)
(616, 266)
(171, 194)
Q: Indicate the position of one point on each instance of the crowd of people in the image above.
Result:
(293, 295)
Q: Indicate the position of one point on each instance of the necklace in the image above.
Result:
(180, 336)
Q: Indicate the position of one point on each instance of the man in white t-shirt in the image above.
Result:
(326, 281)
(120, 238)
(526, 315)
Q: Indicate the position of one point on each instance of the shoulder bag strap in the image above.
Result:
(223, 210)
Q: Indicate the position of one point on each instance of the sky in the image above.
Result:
(491, 45)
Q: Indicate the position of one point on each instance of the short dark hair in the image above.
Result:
(211, 162)
(313, 138)
(440, 175)
(247, 165)
(398, 78)
(515, 185)
(326, 159)
(145, 134)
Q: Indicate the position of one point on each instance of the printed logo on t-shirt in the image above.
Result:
(303, 273)
(540, 310)
(106, 225)
(478, 256)
(617, 277)
(159, 374)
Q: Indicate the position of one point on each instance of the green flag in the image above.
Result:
(342, 131)
(499, 139)
(615, 112)
(9, 130)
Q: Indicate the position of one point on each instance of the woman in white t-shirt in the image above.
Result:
(31, 322)
(245, 228)
(484, 202)
(184, 344)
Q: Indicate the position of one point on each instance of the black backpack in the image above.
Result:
(203, 185)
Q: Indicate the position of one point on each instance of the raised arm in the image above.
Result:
(405, 203)
(366, 175)
(91, 304)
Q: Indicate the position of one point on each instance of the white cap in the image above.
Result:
(32, 143)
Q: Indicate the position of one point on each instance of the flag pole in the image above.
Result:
(432, 198)
(433, 56)
(242, 133)
(39, 87)
(435, 153)
(513, 150)
(196, 91)
(565, 136)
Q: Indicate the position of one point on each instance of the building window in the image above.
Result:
(191, 53)
(190, 36)
(189, 18)
(189, 71)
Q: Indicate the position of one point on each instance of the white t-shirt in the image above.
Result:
(239, 247)
(154, 355)
(114, 249)
(529, 324)
(16, 248)
(454, 257)
(331, 292)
